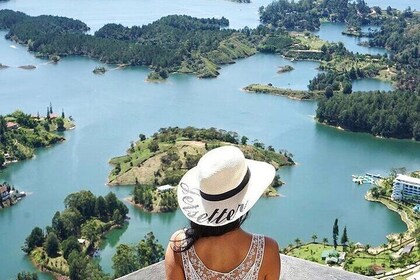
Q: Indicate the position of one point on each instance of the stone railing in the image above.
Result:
(292, 269)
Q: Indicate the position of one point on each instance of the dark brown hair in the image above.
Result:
(196, 231)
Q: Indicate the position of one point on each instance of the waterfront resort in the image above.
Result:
(406, 188)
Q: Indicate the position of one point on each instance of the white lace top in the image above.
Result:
(249, 268)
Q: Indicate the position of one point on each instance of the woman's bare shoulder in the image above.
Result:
(271, 265)
(271, 245)
(173, 260)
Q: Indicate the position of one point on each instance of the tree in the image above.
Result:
(27, 276)
(94, 272)
(298, 242)
(344, 238)
(60, 124)
(244, 140)
(124, 261)
(101, 209)
(35, 239)
(149, 251)
(83, 201)
(57, 225)
(314, 237)
(91, 231)
(142, 137)
(325, 241)
(335, 233)
(153, 146)
(69, 245)
(117, 217)
(347, 88)
(329, 92)
(77, 266)
(51, 244)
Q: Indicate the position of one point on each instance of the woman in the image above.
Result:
(216, 196)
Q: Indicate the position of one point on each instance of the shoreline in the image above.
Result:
(370, 134)
(411, 226)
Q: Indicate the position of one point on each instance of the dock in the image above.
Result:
(366, 179)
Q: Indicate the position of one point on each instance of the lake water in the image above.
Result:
(112, 109)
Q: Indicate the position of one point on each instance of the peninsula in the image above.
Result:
(163, 159)
(21, 134)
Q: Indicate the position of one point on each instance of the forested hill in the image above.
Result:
(400, 32)
(306, 14)
(395, 114)
(173, 43)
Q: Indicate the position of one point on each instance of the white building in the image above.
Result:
(406, 188)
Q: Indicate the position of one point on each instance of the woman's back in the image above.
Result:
(232, 256)
(236, 255)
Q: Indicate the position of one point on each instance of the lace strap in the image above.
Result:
(260, 246)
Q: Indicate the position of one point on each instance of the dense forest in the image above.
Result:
(395, 114)
(21, 133)
(400, 34)
(307, 14)
(174, 43)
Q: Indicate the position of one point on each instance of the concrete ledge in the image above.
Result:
(292, 269)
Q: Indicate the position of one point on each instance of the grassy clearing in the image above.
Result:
(309, 40)
(57, 264)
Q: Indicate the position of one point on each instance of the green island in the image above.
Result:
(68, 248)
(171, 44)
(291, 93)
(285, 68)
(392, 258)
(163, 159)
(21, 134)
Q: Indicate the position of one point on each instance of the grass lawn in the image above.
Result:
(314, 42)
(311, 252)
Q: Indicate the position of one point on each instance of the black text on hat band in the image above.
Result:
(228, 194)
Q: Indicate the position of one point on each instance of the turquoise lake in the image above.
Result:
(111, 110)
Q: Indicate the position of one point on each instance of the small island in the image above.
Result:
(2, 66)
(285, 68)
(156, 164)
(21, 134)
(67, 247)
(99, 70)
(27, 67)
(291, 93)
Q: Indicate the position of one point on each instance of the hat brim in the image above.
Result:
(219, 213)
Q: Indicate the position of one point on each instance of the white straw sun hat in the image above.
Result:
(223, 186)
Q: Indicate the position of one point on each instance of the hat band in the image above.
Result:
(228, 194)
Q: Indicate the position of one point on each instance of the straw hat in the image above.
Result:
(223, 186)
